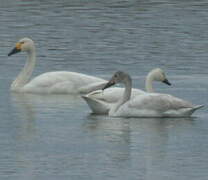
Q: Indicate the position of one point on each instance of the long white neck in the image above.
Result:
(126, 95)
(148, 83)
(26, 72)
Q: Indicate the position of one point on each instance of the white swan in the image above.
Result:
(50, 82)
(147, 104)
(112, 95)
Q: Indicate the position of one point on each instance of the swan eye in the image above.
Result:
(22, 42)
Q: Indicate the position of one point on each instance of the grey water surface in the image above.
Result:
(56, 137)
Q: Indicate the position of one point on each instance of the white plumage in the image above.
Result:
(51, 82)
(146, 104)
(112, 95)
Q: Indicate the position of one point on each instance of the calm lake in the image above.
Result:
(56, 137)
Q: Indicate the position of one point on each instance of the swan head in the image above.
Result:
(158, 75)
(25, 44)
(118, 77)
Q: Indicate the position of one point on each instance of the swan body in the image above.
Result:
(60, 82)
(51, 82)
(112, 95)
(99, 104)
(146, 104)
(154, 105)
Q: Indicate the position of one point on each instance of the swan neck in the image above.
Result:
(126, 95)
(26, 72)
(148, 84)
(127, 91)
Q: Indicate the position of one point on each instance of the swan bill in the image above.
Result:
(167, 82)
(109, 84)
(14, 51)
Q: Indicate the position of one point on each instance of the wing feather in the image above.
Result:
(158, 102)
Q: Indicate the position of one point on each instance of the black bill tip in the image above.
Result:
(167, 82)
(14, 51)
(109, 84)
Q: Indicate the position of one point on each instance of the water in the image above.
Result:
(56, 137)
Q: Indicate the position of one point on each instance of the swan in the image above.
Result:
(112, 95)
(146, 104)
(62, 82)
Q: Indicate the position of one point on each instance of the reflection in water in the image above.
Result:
(26, 114)
(154, 133)
(39, 132)
(137, 140)
(115, 131)
(45, 100)
(30, 107)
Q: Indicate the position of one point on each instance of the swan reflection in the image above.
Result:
(135, 141)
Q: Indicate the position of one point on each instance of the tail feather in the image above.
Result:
(192, 110)
(197, 107)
